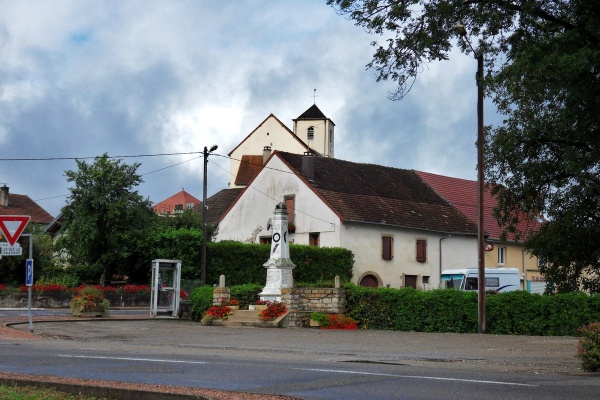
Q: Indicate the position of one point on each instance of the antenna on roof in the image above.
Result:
(315, 96)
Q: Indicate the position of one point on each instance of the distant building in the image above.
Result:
(176, 204)
(20, 204)
(462, 194)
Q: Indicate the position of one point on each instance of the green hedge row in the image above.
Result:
(515, 313)
(243, 263)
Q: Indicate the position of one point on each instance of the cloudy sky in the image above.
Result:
(80, 78)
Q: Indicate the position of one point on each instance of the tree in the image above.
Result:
(105, 221)
(542, 72)
(12, 268)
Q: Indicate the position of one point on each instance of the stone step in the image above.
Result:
(241, 318)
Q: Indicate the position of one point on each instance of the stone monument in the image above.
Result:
(279, 266)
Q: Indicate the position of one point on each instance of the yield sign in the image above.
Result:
(12, 226)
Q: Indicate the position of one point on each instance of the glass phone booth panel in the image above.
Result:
(165, 287)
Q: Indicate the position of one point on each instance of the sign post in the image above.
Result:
(12, 226)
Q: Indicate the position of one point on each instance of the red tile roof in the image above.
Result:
(182, 199)
(462, 194)
(20, 204)
(376, 194)
(219, 203)
(249, 168)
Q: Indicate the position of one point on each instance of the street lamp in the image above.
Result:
(462, 31)
(203, 269)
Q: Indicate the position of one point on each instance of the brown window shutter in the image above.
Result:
(421, 250)
(386, 247)
(289, 204)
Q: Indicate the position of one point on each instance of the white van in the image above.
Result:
(496, 279)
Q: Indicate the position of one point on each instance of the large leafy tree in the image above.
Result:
(105, 221)
(542, 72)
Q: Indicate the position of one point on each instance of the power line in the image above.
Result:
(88, 158)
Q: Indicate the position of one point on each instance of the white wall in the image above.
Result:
(323, 128)
(246, 221)
(365, 242)
(270, 133)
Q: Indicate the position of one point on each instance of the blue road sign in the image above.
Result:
(29, 272)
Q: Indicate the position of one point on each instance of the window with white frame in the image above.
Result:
(501, 255)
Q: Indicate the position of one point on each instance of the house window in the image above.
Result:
(426, 280)
(289, 203)
(310, 133)
(387, 244)
(313, 239)
(501, 255)
(266, 240)
(421, 250)
(410, 281)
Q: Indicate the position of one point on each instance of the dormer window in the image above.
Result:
(310, 133)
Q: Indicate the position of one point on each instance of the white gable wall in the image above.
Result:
(247, 219)
(270, 133)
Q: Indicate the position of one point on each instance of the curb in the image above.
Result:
(102, 391)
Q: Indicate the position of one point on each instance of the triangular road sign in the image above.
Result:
(12, 226)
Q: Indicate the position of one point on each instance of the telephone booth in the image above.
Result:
(165, 287)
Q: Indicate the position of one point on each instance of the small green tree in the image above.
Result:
(105, 221)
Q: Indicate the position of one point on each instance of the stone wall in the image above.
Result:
(302, 302)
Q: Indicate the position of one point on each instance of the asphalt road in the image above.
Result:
(305, 363)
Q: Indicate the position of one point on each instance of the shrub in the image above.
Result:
(334, 321)
(589, 347)
(219, 312)
(246, 294)
(201, 299)
(88, 297)
(273, 311)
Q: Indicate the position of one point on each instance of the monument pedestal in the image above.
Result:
(279, 266)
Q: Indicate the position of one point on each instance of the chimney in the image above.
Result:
(266, 153)
(308, 166)
(4, 196)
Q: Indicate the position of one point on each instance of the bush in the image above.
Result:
(448, 310)
(243, 263)
(245, 294)
(88, 297)
(334, 321)
(273, 311)
(201, 299)
(589, 347)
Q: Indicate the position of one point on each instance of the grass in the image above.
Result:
(34, 393)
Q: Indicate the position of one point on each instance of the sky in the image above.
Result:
(79, 79)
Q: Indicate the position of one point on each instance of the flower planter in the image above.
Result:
(314, 323)
(260, 307)
(90, 312)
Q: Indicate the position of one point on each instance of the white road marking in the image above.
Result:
(416, 377)
(133, 359)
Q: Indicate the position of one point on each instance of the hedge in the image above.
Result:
(515, 313)
(449, 310)
(243, 263)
